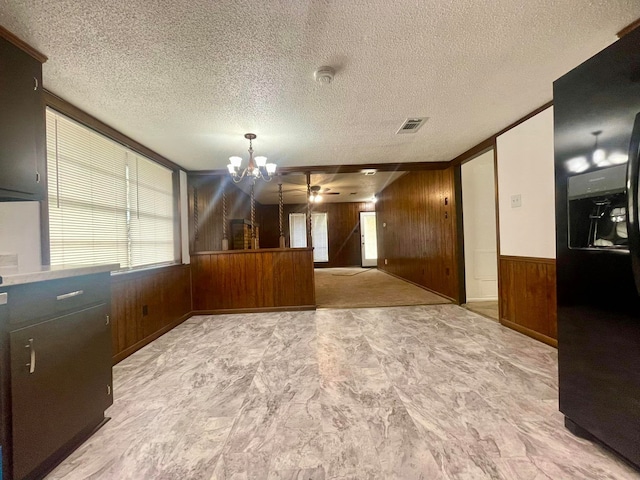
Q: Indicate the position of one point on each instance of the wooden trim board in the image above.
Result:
(22, 45)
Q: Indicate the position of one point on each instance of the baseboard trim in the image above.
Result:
(157, 334)
(530, 333)
(482, 299)
(147, 340)
(226, 311)
(420, 286)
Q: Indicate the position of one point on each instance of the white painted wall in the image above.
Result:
(479, 222)
(184, 218)
(20, 232)
(525, 168)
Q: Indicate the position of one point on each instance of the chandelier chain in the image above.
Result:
(280, 209)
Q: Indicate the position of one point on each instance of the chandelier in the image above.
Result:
(258, 167)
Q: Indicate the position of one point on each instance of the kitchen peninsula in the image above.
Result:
(55, 366)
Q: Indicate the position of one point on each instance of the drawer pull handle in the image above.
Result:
(32, 356)
(69, 295)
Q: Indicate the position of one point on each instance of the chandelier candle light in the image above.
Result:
(257, 168)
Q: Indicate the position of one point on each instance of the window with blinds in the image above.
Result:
(319, 234)
(297, 230)
(320, 237)
(107, 203)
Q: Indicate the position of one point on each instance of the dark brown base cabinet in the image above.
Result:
(57, 372)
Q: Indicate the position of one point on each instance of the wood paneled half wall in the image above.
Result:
(417, 231)
(251, 281)
(146, 304)
(528, 297)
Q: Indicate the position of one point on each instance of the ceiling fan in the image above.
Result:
(317, 192)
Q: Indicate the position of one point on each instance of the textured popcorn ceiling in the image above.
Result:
(189, 78)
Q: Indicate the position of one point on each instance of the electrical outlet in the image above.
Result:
(516, 201)
(385, 261)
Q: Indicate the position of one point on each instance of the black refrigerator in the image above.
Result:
(596, 142)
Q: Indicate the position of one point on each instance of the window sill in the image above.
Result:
(145, 270)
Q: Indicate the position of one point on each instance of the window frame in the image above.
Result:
(74, 113)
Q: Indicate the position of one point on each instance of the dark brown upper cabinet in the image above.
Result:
(22, 124)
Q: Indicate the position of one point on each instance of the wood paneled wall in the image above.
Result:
(166, 294)
(528, 296)
(208, 190)
(419, 241)
(269, 229)
(268, 279)
(343, 225)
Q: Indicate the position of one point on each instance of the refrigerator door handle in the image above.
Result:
(633, 177)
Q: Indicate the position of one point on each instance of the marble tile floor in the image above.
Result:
(422, 392)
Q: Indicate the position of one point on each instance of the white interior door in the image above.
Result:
(368, 239)
(479, 219)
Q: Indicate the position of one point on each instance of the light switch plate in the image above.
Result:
(516, 201)
(8, 259)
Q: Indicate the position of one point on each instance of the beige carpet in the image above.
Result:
(488, 308)
(367, 287)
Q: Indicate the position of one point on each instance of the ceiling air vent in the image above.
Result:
(412, 125)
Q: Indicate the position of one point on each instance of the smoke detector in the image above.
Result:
(324, 75)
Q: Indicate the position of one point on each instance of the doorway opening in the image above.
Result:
(368, 239)
(480, 235)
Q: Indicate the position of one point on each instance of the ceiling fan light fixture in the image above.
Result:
(315, 196)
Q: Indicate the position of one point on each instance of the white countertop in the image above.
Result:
(18, 276)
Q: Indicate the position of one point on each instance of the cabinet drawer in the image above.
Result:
(30, 302)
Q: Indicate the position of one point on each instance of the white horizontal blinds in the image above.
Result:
(152, 234)
(297, 230)
(320, 237)
(87, 195)
(107, 204)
